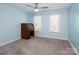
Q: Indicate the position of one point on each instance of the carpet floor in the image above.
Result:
(38, 46)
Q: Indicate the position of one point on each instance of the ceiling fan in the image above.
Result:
(36, 7)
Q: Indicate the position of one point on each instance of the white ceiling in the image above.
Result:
(51, 6)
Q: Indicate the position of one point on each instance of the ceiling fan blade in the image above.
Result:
(43, 7)
(30, 6)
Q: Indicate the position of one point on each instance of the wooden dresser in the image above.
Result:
(27, 30)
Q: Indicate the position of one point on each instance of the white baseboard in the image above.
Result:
(59, 38)
(73, 47)
(7, 42)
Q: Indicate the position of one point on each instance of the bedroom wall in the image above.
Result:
(63, 34)
(74, 25)
(10, 19)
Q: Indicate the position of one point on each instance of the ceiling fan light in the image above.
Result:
(36, 10)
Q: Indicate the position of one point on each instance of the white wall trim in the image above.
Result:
(73, 47)
(7, 42)
(59, 38)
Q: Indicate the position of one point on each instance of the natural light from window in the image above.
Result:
(37, 23)
(54, 23)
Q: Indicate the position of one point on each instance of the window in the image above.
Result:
(37, 23)
(54, 23)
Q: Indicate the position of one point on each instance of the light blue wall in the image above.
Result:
(30, 17)
(74, 25)
(63, 34)
(10, 19)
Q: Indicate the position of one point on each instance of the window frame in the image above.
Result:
(40, 22)
(58, 30)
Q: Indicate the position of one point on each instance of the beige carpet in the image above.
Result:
(38, 46)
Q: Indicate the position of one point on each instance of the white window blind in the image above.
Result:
(37, 23)
(54, 23)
